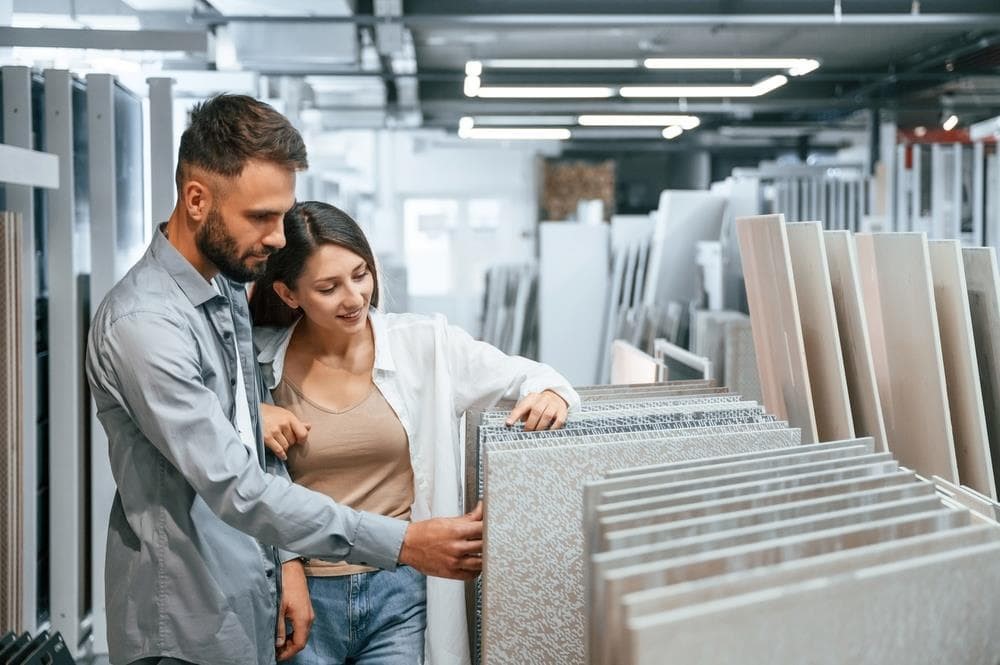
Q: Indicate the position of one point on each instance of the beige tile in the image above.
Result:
(820, 331)
(906, 346)
(777, 328)
(855, 344)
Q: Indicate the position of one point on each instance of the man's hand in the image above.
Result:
(544, 410)
(282, 429)
(296, 606)
(446, 547)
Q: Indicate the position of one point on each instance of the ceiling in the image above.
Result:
(403, 63)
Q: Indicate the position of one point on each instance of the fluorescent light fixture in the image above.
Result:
(794, 66)
(951, 123)
(762, 132)
(472, 86)
(525, 120)
(473, 68)
(560, 63)
(684, 121)
(545, 92)
(672, 132)
(920, 131)
(762, 87)
(465, 123)
(515, 133)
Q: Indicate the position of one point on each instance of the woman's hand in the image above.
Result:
(282, 429)
(544, 410)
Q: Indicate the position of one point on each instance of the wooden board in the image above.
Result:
(632, 365)
(827, 377)
(777, 328)
(982, 279)
(961, 369)
(855, 344)
(906, 348)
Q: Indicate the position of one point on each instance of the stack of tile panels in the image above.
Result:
(10, 420)
(827, 553)
(886, 335)
(532, 589)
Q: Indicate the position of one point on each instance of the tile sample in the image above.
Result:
(777, 328)
(533, 536)
(855, 343)
(906, 347)
(920, 611)
(661, 599)
(961, 368)
(983, 282)
(820, 331)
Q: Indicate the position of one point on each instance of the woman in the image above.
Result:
(382, 395)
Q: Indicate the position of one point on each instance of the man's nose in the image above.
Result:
(276, 238)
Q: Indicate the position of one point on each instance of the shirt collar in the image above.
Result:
(272, 344)
(197, 289)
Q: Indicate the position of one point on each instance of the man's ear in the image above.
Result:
(197, 196)
(285, 294)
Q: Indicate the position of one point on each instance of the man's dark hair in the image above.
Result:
(226, 131)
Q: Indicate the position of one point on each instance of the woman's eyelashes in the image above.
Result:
(357, 278)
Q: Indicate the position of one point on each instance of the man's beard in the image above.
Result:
(215, 243)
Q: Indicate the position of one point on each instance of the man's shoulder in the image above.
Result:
(147, 289)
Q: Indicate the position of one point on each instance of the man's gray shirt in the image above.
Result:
(188, 574)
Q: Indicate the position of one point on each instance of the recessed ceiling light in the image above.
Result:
(561, 63)
(545, 92)
(794, 66)
(516, 133)
(951, 123)
(684, 121)
(762, 87)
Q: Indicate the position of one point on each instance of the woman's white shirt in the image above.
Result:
(430, 374)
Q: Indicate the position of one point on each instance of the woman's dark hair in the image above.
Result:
(308, 226)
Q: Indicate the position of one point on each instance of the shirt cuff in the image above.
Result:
(377, 541)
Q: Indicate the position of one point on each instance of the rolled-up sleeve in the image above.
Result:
(150, 365)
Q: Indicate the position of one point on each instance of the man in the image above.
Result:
(192, 572)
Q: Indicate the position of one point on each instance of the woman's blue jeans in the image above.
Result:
(375, 618)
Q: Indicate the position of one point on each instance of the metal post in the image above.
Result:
(17, 131)
(938, 195)
(851, 207)
(955, 222)
(794, 214)
(916, 190)
(978, 188)
(162, 153)
(65, 372)
(103, 274)
(901, 210)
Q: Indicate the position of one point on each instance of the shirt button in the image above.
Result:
(269, 572)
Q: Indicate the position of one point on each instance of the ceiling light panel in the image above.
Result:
(672, 132)
(794, 66)
(545, 92)
(525, 120)
(684, 121)
(515, 133)
(560, 63)
(758, 89)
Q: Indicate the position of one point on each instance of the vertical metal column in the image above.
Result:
(978, 190)
(938, 195)
(794, 214)
(17, 131)
(901, 211)
(65, 372)
(162, 153)
(916, 190)
(851, 208)
(955, 222)
(103, 274)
